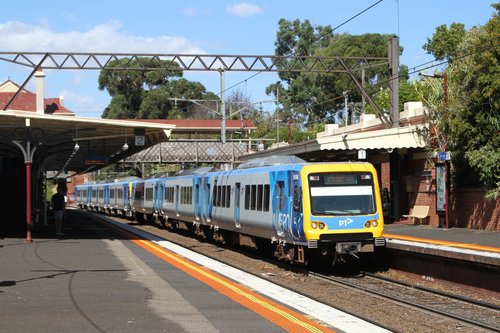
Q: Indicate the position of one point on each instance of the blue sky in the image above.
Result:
(211, 27)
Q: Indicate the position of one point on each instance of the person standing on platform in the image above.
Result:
(58, 206)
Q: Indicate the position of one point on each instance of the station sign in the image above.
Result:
(362, 154)
(140, 137)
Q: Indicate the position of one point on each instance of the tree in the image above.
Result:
(444, 42)
(315, 96)
(472, 122)
(149, 94)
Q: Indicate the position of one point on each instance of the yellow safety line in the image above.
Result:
(446, 243)
(214, 279)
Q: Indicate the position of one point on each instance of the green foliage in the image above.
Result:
(148, 94)
(444, 42)
(472, 123)
(408, 92)
(317, 97)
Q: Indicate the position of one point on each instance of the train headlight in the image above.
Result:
(371, 223)
(318, 225)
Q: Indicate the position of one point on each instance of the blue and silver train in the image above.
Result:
(304, 211)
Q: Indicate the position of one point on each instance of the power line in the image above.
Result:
(361, 12)
(350, 19)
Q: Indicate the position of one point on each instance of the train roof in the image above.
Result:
(271, 161)
(200, 170)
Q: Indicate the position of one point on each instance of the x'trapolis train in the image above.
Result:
(304, 211)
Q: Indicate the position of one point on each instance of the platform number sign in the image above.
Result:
(361, 154)
(140, 140)
(140, 136)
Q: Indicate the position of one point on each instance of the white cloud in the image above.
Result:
(85, 105)
(243, 9)
(107, 37)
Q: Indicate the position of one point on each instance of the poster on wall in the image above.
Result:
(440, 188)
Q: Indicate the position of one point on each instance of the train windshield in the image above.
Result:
(349, 193)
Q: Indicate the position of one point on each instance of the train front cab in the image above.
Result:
(342, 208)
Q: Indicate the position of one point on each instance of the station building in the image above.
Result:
(405, 164)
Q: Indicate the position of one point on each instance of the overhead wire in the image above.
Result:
(340, 25)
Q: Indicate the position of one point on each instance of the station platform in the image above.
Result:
(101, 278)
(478, 246)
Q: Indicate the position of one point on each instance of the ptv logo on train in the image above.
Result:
(345, 223)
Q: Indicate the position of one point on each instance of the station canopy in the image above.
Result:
(69, 143)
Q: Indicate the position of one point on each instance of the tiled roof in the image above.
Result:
(204, 123)
(26, 101)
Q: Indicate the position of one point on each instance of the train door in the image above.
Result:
(197, 201)
(177, 199)
(158, 196)
(297, 215)
(160, 188)
(237, 193)
(205, 198)
(281, 204)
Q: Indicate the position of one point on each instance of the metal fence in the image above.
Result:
(191, 152)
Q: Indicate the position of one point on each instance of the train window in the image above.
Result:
(119, 193)
(138, 191)
(112, 193)
(267, 194)
(149, 194)
(186, 195)
(339, 194)
(297, 199)
(100, 193)
(247, 197)
(253, 197)
(280, 195)
(228, 196)
(223, 196)
(259, 197)
(169, 194)
(207, 199)
(214, 196)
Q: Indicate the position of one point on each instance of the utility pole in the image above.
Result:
(222, 107)
(394, 86)
(363, 101)
(345, 106)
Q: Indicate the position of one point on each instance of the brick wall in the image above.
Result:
(471, 210)
(468, 208)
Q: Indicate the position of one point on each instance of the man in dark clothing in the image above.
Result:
(58, 208)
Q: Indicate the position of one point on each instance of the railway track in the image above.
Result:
(478, 315)
(473, 312)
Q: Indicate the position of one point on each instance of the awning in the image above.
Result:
(391, 138)
(53, 138)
